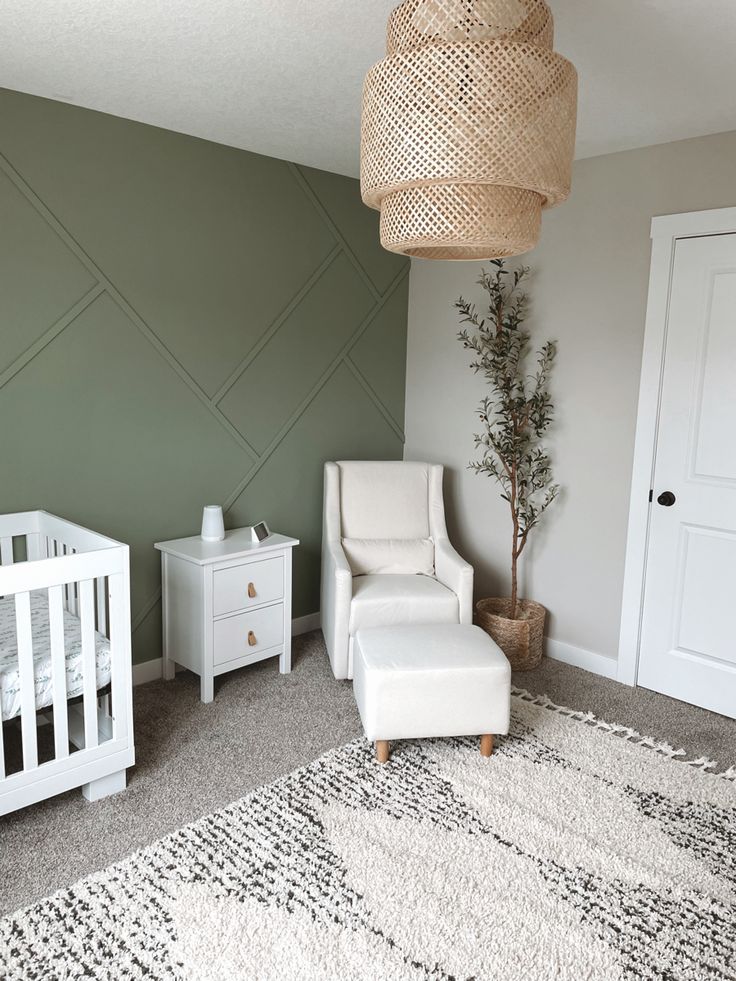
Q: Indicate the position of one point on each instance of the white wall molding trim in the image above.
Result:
(558, 650)
(302, 625)
(689, 224)
(666, 230)
(147, 671)
(152, 670)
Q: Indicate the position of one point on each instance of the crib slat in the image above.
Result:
(2, 752)
(34, 546)
(101, 608)
(73, 586)
(89, 661)
(27, 685)
(60, 550)
(58, 672)
(75, 592)
(6, 551)
(117, 629)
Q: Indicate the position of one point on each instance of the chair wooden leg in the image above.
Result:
(382, 749)
(486, 745)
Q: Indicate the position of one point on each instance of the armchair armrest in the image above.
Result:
(457, 574)
(337, 594)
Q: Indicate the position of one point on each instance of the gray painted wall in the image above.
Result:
(182, 323)
(588, 291)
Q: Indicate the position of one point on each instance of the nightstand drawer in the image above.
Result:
(253, 584)
(248, 633)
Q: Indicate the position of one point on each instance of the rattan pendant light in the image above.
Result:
(468, 128)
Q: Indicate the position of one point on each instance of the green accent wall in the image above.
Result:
(183, 323)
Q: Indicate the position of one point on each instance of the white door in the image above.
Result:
(688, 637)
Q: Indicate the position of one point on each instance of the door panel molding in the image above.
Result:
(665, 232)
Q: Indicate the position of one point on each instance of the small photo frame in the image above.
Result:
(259, 532)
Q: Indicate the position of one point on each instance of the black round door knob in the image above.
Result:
(666, 499)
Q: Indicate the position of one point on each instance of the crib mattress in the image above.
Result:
(9, 674)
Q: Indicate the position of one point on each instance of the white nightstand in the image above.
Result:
(225, 604)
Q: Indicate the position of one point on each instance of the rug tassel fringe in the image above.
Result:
(624, 732)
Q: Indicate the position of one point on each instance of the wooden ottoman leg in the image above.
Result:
(382, 748)
(486, 745)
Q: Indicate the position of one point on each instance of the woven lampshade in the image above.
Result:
(468, 128)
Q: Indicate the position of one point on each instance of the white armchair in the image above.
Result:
(386, 557)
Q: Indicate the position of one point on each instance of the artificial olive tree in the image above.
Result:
(518, 411)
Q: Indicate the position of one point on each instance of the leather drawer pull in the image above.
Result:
(252, 638)
(251, 590)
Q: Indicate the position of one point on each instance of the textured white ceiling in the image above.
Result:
(283, 77)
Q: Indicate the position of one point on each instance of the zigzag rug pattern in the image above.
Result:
(578, 851)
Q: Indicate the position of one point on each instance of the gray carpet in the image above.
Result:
(194, 758)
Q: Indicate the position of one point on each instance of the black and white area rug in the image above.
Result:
(579, 850)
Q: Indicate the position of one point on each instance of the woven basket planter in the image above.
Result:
(522, 641)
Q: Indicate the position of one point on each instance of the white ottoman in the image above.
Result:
(444, 679)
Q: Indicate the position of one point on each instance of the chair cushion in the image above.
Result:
(390, 556)
(384, 500)
(385, 601)
(439, 680)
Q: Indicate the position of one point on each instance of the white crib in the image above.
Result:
(65, 660)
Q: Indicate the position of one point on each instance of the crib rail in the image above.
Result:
(38, 528)
(87, 575)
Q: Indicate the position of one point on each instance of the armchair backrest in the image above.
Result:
(384, 500)
(387, 515)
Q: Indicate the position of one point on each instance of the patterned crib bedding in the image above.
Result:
(9, 673)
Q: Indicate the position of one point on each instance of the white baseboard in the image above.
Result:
(151, 670)
(147, 671)
(302, 625)
(558, 650)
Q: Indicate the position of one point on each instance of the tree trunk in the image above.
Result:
(513, 501)
(514, 563)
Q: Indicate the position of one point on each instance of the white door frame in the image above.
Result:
(666, 230)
